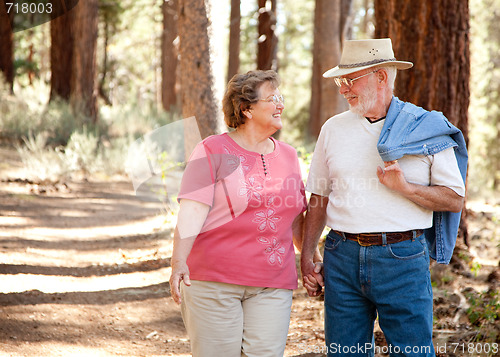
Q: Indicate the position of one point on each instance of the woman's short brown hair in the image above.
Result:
(243, 91)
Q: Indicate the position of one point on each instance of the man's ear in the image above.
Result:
(382, 76)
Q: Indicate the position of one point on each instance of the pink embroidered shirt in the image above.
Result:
(247, 236)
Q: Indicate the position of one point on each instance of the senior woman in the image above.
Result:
(241, 209)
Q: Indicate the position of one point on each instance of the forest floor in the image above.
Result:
(84, 269)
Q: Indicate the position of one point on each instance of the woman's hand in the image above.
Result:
(313, 280)
(180, 272)
(190, 220)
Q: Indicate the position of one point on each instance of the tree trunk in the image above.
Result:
(267, 47)
(346, 19)
(425, 33)
(61, 53)
(83, 85)
(169, 55)
(325, 98)
(6, 46)
(234, 40)
(197, 80)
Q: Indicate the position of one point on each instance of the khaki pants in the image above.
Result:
(227, 320)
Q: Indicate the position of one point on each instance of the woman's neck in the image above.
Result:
(252, 141)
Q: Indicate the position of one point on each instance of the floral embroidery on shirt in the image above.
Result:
(243, 162)
(250, 189)
(270, 200)
(274, 250)
(236, 160)
(266, 219)
(232, 161)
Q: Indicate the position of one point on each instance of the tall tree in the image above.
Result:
(424, 33)
(267, 47)
(346, 19)
(169, 55)
(61, 52)
(110, 17)
(329, 23)
(6, 46)
(234, 40)
(196, 76)
(83, 85)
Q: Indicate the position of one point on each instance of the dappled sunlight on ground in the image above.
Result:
(85, 266)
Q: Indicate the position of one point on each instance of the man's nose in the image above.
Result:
(344, 89)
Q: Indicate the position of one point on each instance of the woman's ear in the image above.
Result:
(247, 112)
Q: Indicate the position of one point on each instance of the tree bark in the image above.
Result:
(197, 80)
(234, 40)
(83, 85)
(325, 98)
(169, 56)
(61, 52)
(267, 44)
(6, 46)
(425, 33)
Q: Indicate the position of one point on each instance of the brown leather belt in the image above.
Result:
(367, 239)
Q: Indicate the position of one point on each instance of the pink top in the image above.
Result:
(247, 236)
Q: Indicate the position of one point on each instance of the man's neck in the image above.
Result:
(380, 109)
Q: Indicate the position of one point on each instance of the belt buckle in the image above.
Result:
(362, 244)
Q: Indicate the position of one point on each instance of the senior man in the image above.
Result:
(387, 177)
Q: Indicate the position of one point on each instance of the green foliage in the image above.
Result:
(25, 115)
(133, 51)
(39, 162)
(15, 120)
(83, 156)
(483, 313)
(248, 37)
(295, 33)
(57, 143)
(474, 266)
(32, 55)
(484, 111)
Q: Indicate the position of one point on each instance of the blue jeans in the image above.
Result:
(392, 281)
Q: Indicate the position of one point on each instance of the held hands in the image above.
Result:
(180, 272)
(312, 278)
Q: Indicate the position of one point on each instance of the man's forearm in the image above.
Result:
(313, 227)
(435, 198)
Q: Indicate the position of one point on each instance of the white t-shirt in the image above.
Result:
(344, 168)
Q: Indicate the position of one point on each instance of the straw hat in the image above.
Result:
(362, 54)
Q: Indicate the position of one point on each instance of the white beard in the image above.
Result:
(366, 101)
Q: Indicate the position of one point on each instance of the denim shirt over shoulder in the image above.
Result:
(411, 130)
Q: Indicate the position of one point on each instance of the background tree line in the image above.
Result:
(158, 54)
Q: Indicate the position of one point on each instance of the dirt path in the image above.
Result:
(84, 269)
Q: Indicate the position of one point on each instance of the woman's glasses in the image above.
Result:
(275, 98)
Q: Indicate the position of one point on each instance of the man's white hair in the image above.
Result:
(391, 76)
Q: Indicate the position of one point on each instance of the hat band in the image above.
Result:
(362, 64)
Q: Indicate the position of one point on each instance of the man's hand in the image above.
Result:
(312, 278)
(392, 177)
(434, 198)
(315, 221)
